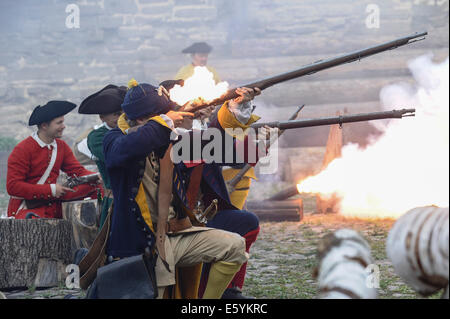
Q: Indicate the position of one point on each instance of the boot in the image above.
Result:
(234, 293)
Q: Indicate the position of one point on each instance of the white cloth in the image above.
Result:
(84, 149)
(241, 111)
(199, 125)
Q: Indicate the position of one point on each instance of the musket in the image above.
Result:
(231, 184)
(293, 124)
(71, 183)
(313, 68)
(78, 180)
(362, 117)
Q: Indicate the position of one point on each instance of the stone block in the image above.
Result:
(148, 52)
(201, 12)
(159, 8)
(110, 22)
(120, 6)
(148, 20)
(191, 2)
(135, 32)
(90, 9)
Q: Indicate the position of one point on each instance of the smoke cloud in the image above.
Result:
(408, 165)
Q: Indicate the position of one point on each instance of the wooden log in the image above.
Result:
(84, 216)
(34, 252)
(277, 211)
(275, 204)
(284, 194)
(279, 215)
(417, 246)
(343, 260)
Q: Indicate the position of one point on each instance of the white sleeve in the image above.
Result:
(168, 121)
(53, 188)
(241, 111)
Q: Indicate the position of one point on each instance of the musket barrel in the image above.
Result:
(325, 64)
(236, 179)
(286, 125)
(318, 66)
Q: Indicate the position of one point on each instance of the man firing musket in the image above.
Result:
(293, 124)
(308, 69)
(234, 178)
(231, 184)
(196, 103)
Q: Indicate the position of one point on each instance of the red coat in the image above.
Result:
(27, 163)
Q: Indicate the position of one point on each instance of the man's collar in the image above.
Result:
(107, 126)
(41, 142)
(103, 125)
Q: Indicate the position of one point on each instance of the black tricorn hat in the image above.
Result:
(50, 111)
(198, 47)
(169, 84)
(107, 100)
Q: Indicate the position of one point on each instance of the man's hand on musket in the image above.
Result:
(179, 117)
(245, 95)
(61, 190)
(204, 113)
(99, 181)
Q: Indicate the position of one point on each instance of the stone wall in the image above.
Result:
(41, 59)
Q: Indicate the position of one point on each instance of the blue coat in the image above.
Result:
(125, 156)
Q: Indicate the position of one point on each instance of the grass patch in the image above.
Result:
(7, 143)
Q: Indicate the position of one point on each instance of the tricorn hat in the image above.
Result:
(169, 84)
(50, 111)
(107, 100)
(198, 47)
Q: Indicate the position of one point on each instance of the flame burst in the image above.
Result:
(408, 166)
(200, 86)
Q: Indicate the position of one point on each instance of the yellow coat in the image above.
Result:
(188, 70)
(239, 196)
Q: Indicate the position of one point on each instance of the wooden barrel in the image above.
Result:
(417, 246)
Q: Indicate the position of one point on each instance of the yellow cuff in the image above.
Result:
(228, 120)
(159, 120)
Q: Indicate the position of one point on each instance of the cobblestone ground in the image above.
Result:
(283, 259)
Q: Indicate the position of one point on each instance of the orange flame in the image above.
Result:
(409, 165)
(200, 85)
